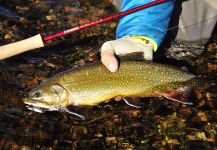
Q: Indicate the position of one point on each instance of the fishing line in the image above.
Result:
(184, 27)
(92, 54)
(172, 28)
(205, 20)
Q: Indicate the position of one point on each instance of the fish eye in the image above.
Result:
(37, 94)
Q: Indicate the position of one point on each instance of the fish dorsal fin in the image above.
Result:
(139, 56)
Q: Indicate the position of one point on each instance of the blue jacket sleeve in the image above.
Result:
(151, 22)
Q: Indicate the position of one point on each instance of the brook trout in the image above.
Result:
(94, 84)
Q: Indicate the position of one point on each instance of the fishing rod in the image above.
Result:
(37, 41)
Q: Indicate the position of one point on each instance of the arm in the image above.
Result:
(142, 27)
(151, 22)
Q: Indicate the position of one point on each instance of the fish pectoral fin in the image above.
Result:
(180, 95)
(75, 114)
(78, 111)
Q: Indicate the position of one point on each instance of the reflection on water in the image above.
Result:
(160, 123)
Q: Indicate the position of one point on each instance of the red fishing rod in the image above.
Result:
(38, 41)
(50, 37)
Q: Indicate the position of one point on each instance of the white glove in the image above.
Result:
(128, 45)
(123, 46)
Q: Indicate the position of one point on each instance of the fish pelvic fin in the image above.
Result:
(128, 103)
(180, 95)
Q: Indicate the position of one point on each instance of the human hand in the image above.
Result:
(125, 45)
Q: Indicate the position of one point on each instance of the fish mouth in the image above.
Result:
(39, 107)
(36, 108)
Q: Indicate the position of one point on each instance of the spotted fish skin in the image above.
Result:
(94, 84)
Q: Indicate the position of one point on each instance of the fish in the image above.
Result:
(93, 84)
